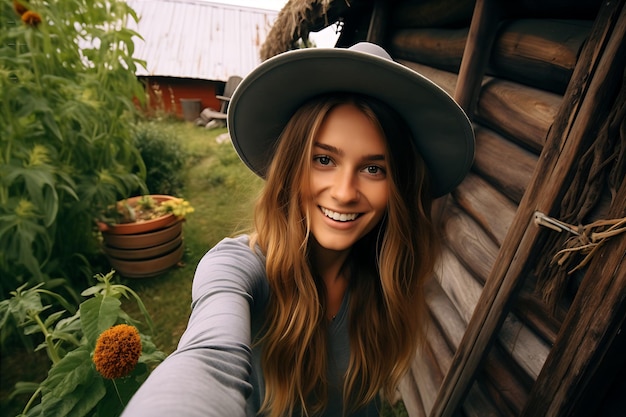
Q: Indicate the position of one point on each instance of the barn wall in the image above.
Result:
(165, 94)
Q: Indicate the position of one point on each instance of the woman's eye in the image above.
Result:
(323, 160)
(374, 170)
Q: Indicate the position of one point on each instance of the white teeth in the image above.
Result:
(340, 217)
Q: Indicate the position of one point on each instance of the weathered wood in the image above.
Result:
(524, 346)
(534, 311)
(470, 243)
(444, 314)
(539, 52)
(458, 284)
(444, 79)
(492, 389)
(587, 334)
(579, 117)
(427, 376)
(439, 48)
(506, 165)
(482, 31)
(512, 385)
(599, 308)
(463, 291)
(411, 396)
(487, 206)
(519, 112)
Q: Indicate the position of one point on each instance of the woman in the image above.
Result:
(320, 307)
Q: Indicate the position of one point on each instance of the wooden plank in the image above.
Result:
(459, 285)
(444, 79)
(463, 291)
(511, 384)
(470, 244)
(578, 118)
(539, 52)
(480, 38)
(411, 397)
(436, 47)
(444, 314)
(487, 206)
(427, 375)
(522, 113)
(505, 164)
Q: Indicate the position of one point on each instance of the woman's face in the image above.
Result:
(349, 184)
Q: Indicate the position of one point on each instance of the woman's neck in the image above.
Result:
(332, 267)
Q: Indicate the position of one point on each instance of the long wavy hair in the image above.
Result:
(387, 307)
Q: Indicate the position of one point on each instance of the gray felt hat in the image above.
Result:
(266, 99)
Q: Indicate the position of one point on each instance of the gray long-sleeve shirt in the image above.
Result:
(215, 371)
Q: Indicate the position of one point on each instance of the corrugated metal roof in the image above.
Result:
(196, 39)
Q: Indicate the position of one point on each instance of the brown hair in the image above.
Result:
(391, 263)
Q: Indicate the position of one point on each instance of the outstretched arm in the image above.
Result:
(208, 373)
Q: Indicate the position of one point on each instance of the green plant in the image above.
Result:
(163, 156)
(98, 357)
(67, 84)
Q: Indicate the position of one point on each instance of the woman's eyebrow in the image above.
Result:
(337, 151)
(328, 148)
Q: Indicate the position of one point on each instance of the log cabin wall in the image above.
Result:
(527, 72)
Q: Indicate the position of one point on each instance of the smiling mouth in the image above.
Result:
(339, 217)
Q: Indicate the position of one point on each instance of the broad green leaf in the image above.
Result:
(97, 315)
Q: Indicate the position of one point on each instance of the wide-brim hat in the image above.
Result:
(268, 97)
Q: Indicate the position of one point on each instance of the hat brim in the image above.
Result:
(268, 97)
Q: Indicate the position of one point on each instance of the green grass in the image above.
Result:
(222, 191)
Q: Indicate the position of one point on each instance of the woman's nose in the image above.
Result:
(345, 187)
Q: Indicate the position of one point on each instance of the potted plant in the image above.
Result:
(143, 235)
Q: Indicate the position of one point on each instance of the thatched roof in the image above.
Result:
(296, 20)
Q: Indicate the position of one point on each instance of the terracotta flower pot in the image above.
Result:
(145, 248)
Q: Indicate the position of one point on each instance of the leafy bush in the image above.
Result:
(98, 356)
(163, 156)
(67, 86)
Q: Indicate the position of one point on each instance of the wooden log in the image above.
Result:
(495, 395)
(463, 291)
(411, 396)
(535, 312)
(439, 48)
(506, 165)
(440, 348)
(444, 79)
(519, 112)
(458, 284)
(512, 386)
(539, 52)
(427, 376)
(581, 115)
(486, 205)
(482, 31)
(470, 244)
(444, 314)
(527, 349)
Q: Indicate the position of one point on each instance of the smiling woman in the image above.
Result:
(320, 307)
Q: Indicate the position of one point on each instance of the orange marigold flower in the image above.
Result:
(31, 18)
(117, 351)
